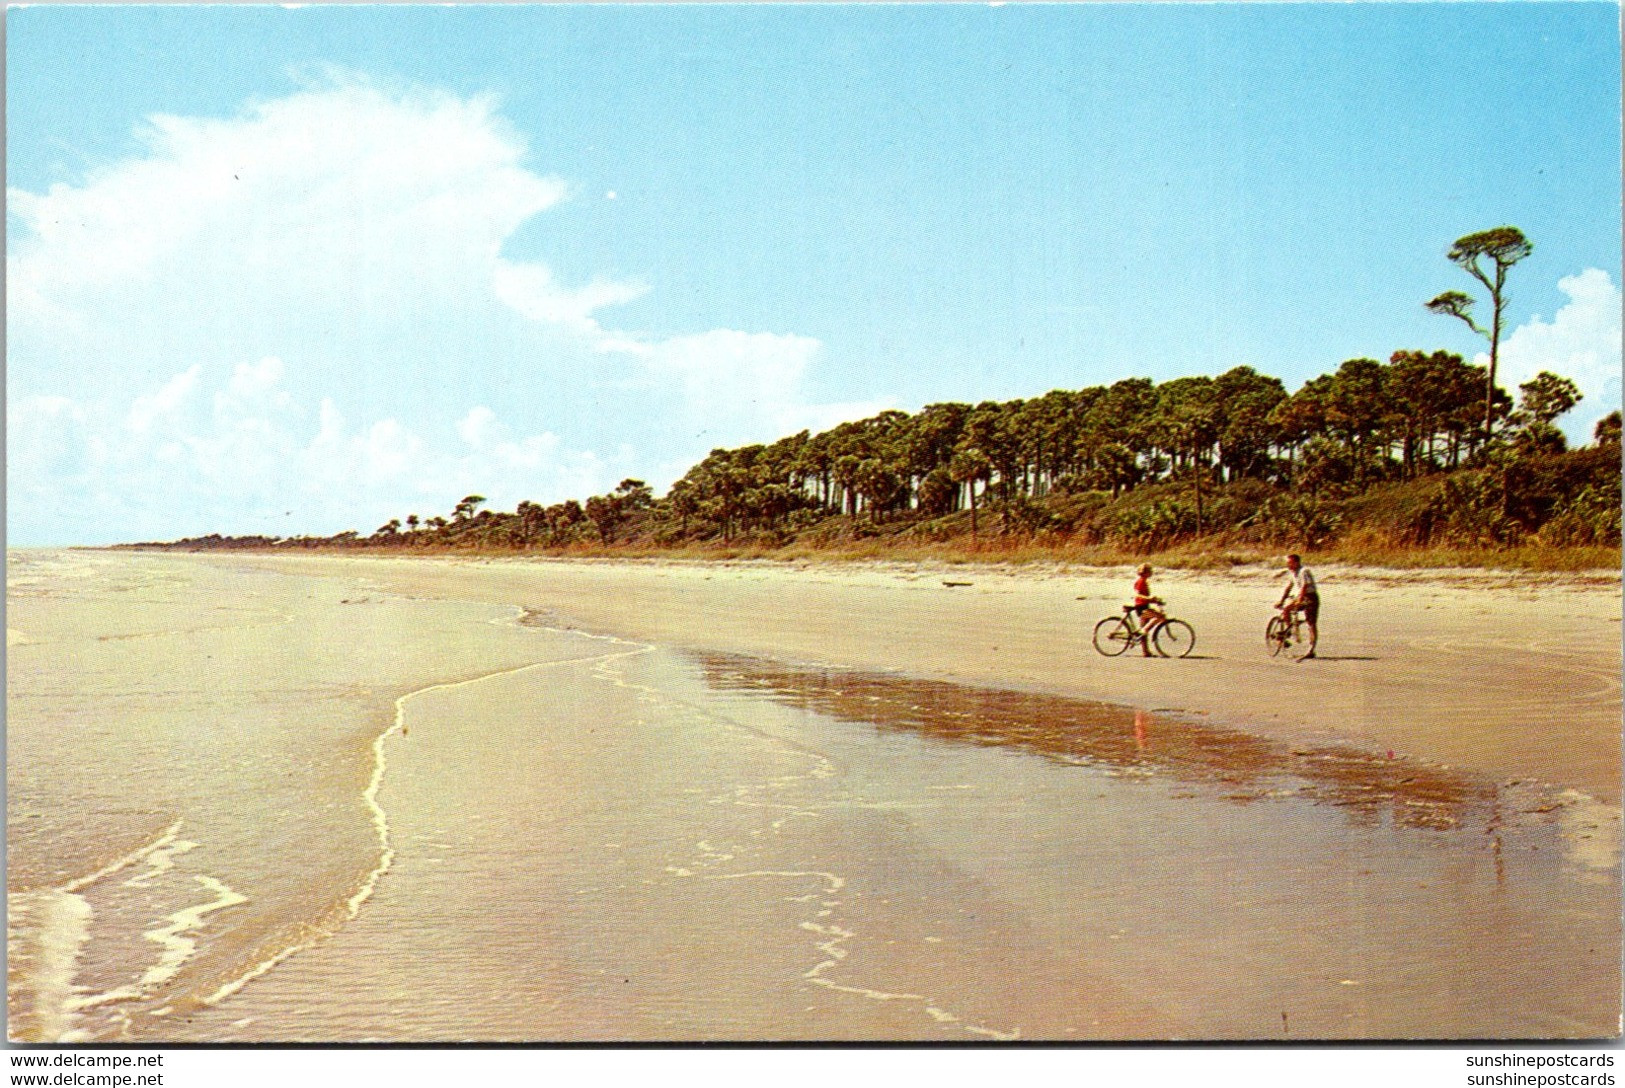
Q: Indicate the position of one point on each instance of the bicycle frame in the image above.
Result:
(1290, 629)
(1115, 634)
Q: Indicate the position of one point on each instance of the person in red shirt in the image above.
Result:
(1145, 608)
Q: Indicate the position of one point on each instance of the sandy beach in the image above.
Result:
(1513, 676)
(275, 798)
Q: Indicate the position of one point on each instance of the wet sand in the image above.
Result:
(1509, 676)
(565, 802)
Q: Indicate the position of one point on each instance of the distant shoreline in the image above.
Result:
(1470, 668)
(1592, 562)
(790, 759)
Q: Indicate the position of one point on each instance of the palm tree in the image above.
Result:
(970, 465)
(877, 484)
(937, 492)
(846, 477)
(1188, 424)
(532, 518)
(604, 514)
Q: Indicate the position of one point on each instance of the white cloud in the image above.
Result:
(506, 469)
(480, 427)
(307, 307)
(47, 444)
(821, 417)
(342, 227)
(1581, 343)
(252, 380)
(744, 387)
(166, 402)
(531, 290)
(261, 462)
(338, 460)
(333, 181)
(723, 385)
(735, 374)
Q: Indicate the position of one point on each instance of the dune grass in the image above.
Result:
(1213, 554)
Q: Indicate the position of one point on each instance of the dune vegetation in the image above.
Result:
(1420, 461)
(1380, 463)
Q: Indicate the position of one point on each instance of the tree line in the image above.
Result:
(1151, 463)
(1136, 463)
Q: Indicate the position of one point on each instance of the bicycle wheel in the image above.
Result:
(1174, 638)
(1277, 635)
(1111, 636)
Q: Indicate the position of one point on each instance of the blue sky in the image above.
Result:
(303, 270)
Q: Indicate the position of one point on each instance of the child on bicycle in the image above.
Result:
(1145, 609)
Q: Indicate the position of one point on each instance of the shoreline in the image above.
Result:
(788, 857)
(1479, 670)
(1015, 556)
(1464, 576)
(821, 804)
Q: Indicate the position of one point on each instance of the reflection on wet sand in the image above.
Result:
(1232, 878)
(1232, 765)
(590, 839)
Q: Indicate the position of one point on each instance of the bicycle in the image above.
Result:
(1170, 638)
(1284, 628)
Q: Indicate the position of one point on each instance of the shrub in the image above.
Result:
(1295, 519)
(1590, 517)
(1071, 484)
(1022, 515)
(1151, 527)
(1236, 505)
(1469, 509)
